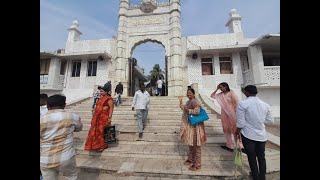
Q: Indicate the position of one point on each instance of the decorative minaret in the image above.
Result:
(234, 22)
(74, 35)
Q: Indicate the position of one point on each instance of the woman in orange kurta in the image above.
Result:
(192, 135)
(228, 102)
(101, 119)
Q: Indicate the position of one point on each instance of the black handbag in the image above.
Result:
(110, 135)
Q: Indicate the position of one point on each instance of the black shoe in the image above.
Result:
(226, 148)
(140, 135)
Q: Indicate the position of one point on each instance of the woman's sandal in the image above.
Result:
(187, 162)
(194, 168)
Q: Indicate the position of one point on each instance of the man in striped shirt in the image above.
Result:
(57, 153)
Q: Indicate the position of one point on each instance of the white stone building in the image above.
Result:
(206, 60)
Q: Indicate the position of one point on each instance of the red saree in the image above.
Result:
(95, 139)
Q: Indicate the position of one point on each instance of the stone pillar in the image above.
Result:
(83, 74)
(237, 70)
(54, 71)
(256, 64)
(73, 35)
(216, 65)
(194, 86)
(121, 51)
(175, 81)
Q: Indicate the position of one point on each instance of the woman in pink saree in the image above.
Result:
(228, 102)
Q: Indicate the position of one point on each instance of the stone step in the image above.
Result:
(175, 118)
(215, 137)
(155, 129)
(151, 113)
(179, 152)
(164, 167)
(154, 122)
(159, 154)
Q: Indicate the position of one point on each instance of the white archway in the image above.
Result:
(162, 26)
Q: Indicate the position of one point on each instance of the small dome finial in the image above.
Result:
(75, 23)
(233, 11)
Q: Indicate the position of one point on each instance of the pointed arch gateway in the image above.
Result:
(138, 25)
(132, 86)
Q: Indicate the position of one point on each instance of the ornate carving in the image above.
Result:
(102, 72)
(60, 82)
(194, 71)
(148, 21)
(272, 74)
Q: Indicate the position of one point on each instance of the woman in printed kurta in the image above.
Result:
(192, 135)
(101, 119)
(228, 102)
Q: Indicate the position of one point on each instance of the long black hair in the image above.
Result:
(226, 85)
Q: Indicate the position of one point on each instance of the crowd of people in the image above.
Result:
(242, 121)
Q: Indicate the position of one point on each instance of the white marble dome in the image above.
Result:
(233, 11)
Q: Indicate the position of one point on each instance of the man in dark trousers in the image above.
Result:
(252, 114)
(119, 91)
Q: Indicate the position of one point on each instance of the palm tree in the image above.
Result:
(156, 72)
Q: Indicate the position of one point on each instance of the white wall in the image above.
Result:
(90, 82)
(73, 83)
(272, 97)
(269, 95)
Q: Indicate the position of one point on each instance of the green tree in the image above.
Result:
(156, 72)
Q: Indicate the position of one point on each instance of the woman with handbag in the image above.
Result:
(192, 135)
(101, 119)
(228, 102)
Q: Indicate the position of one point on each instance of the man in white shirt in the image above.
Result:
(252, 114)
(159, 86)
(141, 102)
(43, 104)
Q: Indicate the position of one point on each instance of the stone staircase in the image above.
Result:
(159, 154)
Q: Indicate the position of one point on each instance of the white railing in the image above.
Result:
(272, 75)
(44, 79)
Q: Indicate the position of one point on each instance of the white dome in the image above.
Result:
(233, 11)
(75, 23)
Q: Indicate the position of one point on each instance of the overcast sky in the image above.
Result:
(98, 19)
